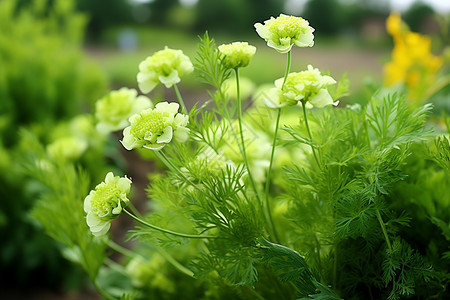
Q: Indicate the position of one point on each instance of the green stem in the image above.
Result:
(122, 250)
(244, 151)
(176, 170)
(288, 67)
(103, 292)
(269, 172)
(192, 236)
(175, 263)
(383, 228)
(166, 162)
(309, 132)
(163, 253)
(180, 99)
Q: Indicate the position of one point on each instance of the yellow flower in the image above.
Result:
(394, 24)
(413, 64)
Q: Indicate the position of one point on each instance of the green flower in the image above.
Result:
(150, 273)
(237, 54)
(106, 202)
(284, 32)
(165, 66)
(246, 87)
(67, 148)
(309, 87)
(113, 110)
(154, 128)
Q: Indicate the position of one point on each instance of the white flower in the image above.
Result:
(154, 128)
(113, 110)
(237, 54)
(165, 66)
(283, 32)
(308, 87)
(106, 202)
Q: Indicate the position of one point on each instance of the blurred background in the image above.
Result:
(350, 34)
(57, 57)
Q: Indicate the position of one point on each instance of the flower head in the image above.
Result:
(413, 63)
(113, 110)
(237, 54)
(67, 148)
(307, 86)
(283, 32)
(165, 66)
(106, 202)
(154, 128)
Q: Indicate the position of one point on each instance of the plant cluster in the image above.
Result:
(291, 198)
(46, 82)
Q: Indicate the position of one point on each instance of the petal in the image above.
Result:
(321, 99)
(305, 40)
(168, 107)
(92, 219)
(124, 184)
(141, 103)
(280, 48)
(167, 135)
(147, 85)
(129, 142)
(170, 79)
(154, 147)
(109, 177)
(262, 31)
(272, 100)
(100, 230)
(181, 134)
(87, 202)
(181, 120)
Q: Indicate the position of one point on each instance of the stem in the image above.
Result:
(309, 132)
(163, 253)
(180, 99)
(175, 263)
(269, 172)
(166, 161)
(174, 169)
(122, 250)
(192, 236)
(288, 67)
(103, 292)
(383, 228)
(244, 152)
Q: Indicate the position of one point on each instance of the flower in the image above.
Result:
(150, 273)
(106, 202)
(154, 128)
(283, 32)
(237, 54)
(246, 87)
(67, 148)
(309, 87)
(207, 164)
(165, 66)
(413, 63)
(113, 110)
